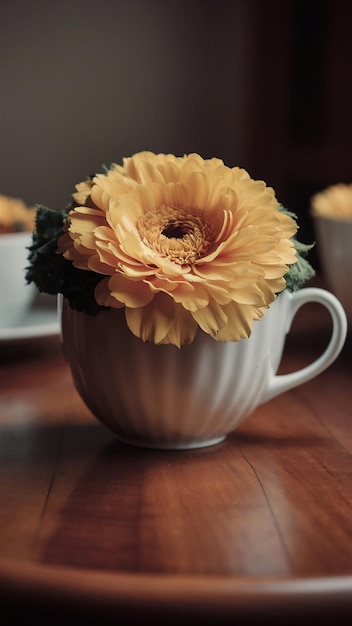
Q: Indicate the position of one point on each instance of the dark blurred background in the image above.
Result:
(264, 85)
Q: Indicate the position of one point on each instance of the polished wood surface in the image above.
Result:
(257, 526)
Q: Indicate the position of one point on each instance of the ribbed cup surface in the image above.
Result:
(334, 238)
(163, 396)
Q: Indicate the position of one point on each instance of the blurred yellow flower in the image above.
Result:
(184, 243)
(334, 201)
(15, 215)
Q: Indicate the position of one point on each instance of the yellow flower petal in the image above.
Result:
(103, 295)
(212, 318)
(239, 322)
(184, 242)
(161, 321)
(132, 293)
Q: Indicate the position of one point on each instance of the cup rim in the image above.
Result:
(18, 236)
(333, 218)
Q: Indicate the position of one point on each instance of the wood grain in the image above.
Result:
(273, 502)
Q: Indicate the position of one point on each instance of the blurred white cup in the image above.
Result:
(16, 296)
(334, 248)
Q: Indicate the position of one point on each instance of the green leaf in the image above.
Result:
(301, 271)
(54, 274)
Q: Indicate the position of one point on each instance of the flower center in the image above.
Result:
(174, 229)
(181, 235)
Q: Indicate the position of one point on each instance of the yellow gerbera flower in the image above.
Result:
(15, 215)
(334, 201)
(184, 243)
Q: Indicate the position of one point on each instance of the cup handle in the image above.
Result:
(284, 382)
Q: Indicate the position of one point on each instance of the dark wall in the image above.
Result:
(263, 85)
(301, 101)
(85, 83)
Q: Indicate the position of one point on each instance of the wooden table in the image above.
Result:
(258, 527)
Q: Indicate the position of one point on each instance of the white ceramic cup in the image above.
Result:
(16, 296)
(334, 245)
(169, 397)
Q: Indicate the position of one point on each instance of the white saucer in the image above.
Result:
(39, 322)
